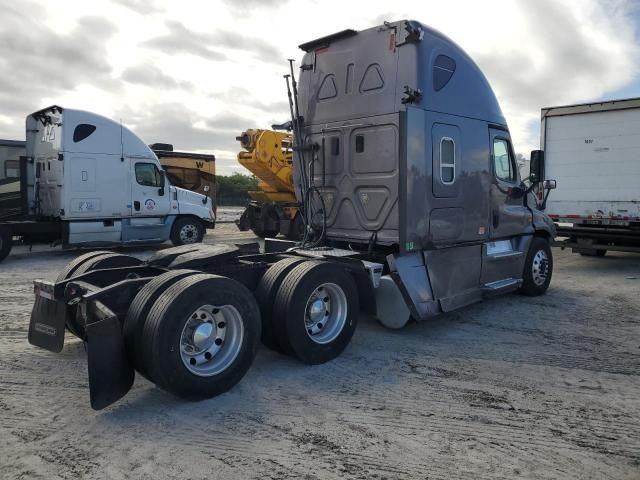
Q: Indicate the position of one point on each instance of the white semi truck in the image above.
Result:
(89, 181)
(593, 151)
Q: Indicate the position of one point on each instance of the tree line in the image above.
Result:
(231, 190)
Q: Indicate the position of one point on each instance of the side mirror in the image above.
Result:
(549, 184)
(536, 166)
(163, 181)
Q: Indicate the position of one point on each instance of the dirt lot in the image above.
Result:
(514, 387)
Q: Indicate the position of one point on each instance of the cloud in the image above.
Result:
(151, 76)
(40, 62)
(143, 7)
(176, 124)
(565, 55)
(247, 6)
(180, 40)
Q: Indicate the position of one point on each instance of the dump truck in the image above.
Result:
(272, 209)
(593, 151)
(88, 181)
(404, 171)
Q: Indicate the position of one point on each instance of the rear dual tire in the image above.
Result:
(266, 295)
(85, 263)
(200, 336)
(315, 312)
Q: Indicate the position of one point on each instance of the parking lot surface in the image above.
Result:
(513, 387)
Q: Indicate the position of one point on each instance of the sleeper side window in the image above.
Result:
(82, 131)
(147, 174)
(502, 161)
(447, 160)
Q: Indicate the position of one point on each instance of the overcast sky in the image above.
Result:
(196, 73)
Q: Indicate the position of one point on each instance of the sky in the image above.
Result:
(196, 73)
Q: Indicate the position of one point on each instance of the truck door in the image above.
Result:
(149, 191)
(508, 215)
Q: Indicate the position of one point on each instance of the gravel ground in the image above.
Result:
(514, 387)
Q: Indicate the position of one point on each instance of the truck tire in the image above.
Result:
(68, 271)
(96, 262)
(201, 336)
(136, 317)
(186, 230)
(6, 242)
(266, 294)
(316, 311)
(72, 266)
(538, 268)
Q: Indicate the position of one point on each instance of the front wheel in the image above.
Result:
(538, 268)
(187, 230)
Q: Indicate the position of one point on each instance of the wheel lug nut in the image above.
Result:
(222, 325)
(320, 325)
(215, 311)
(218, 341)
(203, 316)
(325, 299)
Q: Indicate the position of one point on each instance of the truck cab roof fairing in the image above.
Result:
(349, 76)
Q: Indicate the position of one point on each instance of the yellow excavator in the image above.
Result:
(273, 208)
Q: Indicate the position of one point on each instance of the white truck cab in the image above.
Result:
(105, 184)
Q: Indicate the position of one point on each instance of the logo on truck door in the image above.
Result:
(150, 204)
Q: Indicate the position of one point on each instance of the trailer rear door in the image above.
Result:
(595, 157)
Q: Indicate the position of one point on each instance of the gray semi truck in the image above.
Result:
(412, 203)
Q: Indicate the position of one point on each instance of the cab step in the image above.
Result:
(500, 286)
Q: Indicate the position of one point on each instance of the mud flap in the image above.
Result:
(110, 373)
(46, 327)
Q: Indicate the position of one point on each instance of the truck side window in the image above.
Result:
(147, 174)
(82, 131)
(502, 161)
(447, 160)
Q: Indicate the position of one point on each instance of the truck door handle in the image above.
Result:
(136, 205)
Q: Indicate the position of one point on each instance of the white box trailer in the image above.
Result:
(593, 151)
(90, 181)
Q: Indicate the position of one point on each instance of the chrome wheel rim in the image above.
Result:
(325, 313)
(211, 339)
(189, 233)
(540, 267)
